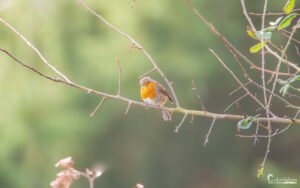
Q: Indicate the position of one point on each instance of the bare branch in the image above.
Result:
(29, 67)
(209, 131)
(266, 46)
(236, 101)
(247, 16)
(179, 125)
(135, 43)
(120, 74)
(237, 80)
(287, 34)
(279, 64)
(276, 132)
(228, 44)
(98, 107)
(194, 88)
(148, 72)
(291, 64)
(192, 119)
(281, 121)
(255, 67)
(177, 109)
(35, 50)
(238, 88)
(297, 50)
(128, 107)
(256, 133)
(267, 105)
(272, 13)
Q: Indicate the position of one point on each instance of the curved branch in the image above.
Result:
(35, 50)
(136, 44)
(181, 110)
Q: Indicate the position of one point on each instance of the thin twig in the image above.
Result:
(226, 41)
(272, 13)
(120, 75)
(237, 80)
(128, 107)
(267, 105)
(179, 125)
(236, 101)
(90, 178)
(209, 131)
(266, 46)
(297, 51)
(194, 88)
(35, 50)
(281, 121)
(287, 127)
(211, 27)
(238, 88)
(148, 72)
(274, 94)
(29, 67)
(192, 119)
(277, 132)
(247, 16)
(291, 64)
(98, 107)
(248, 77)
(256, 133)
(287, 35)
(135, 43)
(230, 48)
(255, 67)
(279, 64)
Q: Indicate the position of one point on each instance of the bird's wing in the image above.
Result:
(162, 90)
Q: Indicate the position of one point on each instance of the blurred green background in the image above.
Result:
(42, 122)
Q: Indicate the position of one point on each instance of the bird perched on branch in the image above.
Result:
(154, 93)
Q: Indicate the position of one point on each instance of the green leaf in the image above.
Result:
(268, 29)
(260, 172)
(286, 21)
(257, 47)
(252, 34)
(295, 78)
(289, 6)
(246, 123)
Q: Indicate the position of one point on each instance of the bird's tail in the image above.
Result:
(166, 115)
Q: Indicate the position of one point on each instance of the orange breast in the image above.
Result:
(148, 91)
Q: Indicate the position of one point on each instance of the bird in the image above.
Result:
(153, 93)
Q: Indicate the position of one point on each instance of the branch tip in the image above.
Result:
(98, 107)
(180, 124)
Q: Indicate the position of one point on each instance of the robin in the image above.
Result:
(154, 93)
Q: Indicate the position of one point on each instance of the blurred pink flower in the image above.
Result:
(65, 163)
(65, 178)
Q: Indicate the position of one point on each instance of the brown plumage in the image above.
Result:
(154, 93)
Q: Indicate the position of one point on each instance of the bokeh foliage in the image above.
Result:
(42, 122)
